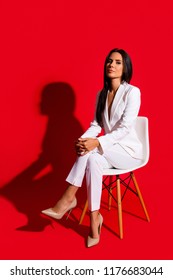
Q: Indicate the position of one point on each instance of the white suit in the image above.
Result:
(119, 146)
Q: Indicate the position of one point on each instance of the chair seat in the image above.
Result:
(116, 171)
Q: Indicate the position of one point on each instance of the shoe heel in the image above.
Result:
(69, 212)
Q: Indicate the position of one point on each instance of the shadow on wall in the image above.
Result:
(31, 193)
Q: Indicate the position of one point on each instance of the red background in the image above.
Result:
(52, 56)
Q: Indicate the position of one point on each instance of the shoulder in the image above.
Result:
(130, 88)
(132, 93)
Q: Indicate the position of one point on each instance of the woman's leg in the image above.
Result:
(120, 159)
(74, 178)
(94, 224)
(66, 199)
(92, 165)
(94, 173)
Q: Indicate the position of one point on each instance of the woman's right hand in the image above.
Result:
(80, 149)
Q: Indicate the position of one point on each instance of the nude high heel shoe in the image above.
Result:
(94, 241)
(49, 212)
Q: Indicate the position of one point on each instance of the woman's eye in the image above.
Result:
(109, 60)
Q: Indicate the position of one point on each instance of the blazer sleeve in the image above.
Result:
(126, 121)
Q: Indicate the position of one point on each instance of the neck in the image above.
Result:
(114, 84)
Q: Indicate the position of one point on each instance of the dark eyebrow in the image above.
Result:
(117, 60)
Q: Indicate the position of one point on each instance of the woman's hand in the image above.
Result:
(85, 145)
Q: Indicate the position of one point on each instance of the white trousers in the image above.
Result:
(92, 165)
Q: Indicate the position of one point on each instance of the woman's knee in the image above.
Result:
(94, 161)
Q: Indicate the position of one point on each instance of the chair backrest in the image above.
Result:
(143, 134)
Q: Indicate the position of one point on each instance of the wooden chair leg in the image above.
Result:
(120, 220)
(140, 196)
(83, 212)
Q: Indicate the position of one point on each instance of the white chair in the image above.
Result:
(112, 177)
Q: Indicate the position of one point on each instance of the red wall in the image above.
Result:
(66, 41)
(51, 63)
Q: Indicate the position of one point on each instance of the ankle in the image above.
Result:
(94, 224)
(94, 216)
(67, 198)
(70, 193)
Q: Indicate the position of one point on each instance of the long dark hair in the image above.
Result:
(127, 75)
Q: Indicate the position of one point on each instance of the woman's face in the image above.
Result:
(114, 66)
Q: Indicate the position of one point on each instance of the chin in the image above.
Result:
(111, 76)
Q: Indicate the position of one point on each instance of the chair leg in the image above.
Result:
(109, 199)
(83, 212)
(140, 196)
(110, 192)
(120, 220)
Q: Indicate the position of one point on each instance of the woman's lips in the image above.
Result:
(110, 70)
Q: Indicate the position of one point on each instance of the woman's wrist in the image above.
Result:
(97, 143)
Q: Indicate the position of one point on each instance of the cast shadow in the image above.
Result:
(34, 190)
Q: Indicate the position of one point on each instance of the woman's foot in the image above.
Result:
(96, 221)
(66, 203)
(58, 215)
(63, 204)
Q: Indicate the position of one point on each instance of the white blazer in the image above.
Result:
(120, 129)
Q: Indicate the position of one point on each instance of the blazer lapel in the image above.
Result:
(106, 117)
(115, 104)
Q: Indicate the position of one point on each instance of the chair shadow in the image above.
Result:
(129, 212)
(115, 230)
(30, 192)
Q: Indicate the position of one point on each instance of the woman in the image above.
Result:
(117, 108)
